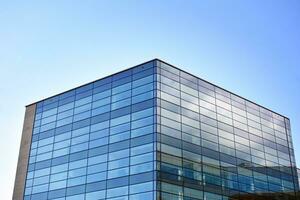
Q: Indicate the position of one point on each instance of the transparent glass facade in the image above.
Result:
(156, 132)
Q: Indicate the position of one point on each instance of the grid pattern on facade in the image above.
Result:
(216, 145)
(156, 132)
(96, 141)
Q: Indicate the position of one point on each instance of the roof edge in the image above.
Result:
(223, 88)
(92, 81)
(157, 59)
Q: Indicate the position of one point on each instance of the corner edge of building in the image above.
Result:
(20, 179)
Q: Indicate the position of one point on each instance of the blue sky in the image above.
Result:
(249, 47)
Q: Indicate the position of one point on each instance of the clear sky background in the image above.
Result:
(250, 47)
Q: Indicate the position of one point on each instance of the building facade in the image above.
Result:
(299, 177)
(154, 132)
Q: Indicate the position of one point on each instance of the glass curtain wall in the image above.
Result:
(96, 141)
(156, 132)
(216, 145)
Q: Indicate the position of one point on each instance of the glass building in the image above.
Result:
(154, 132)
